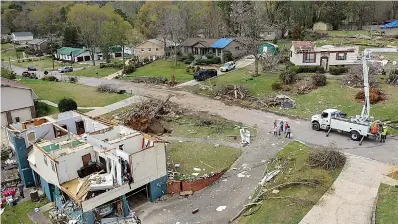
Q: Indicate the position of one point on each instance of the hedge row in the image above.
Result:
(111, 65)
(306, 69)
(209, 61)
(337, 70)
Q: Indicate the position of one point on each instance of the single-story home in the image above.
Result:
(271, 33)
(17, 102)
(154, 48)
(305, 53)
(391, 28)
(82, 54)
(321, 26)
(21, 37)
(38, 44)
(232, 45)
(268, 48)
(197, 46)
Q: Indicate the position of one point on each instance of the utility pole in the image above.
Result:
(124, 69)
(52, 53)
(9, 62)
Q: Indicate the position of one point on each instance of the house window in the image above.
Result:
(237, 48)
(142, 49)
(269, 33)
(45, 160)
(121, 147)
(149, 49)
(341, 56)
(291, 53)
(309, 58)
(17, 119)
(157, 49)
(53, 165)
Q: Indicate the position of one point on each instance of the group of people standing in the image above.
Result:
(284, 127)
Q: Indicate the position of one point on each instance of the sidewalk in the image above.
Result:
(352, 196)
(39, 217)
(109, 108)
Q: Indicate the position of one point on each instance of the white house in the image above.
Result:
(87, 162)
(21, 37)
(305, 53)
(17, 102)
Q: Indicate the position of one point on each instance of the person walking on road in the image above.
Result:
(384, 134)
(288, 131)
(280, 127)
(286, 125)
(275, 131)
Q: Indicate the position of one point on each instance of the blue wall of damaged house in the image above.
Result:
(48, 189)
(157, 188)
(21, 155)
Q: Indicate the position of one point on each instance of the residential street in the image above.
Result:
(234, 192)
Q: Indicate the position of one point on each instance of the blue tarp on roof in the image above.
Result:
(221, 43)
(393, 24)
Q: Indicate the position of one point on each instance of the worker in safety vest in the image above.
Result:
(384, 134)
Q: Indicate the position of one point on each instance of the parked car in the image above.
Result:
(39, 54)
(25, 74)
(204, 74)
(31, 68)
(65, 69)
(228, 66)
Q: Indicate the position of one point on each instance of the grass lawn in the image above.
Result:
(203, 125)
(18, 214)
(387, 205)
(85, 96)
(11, 54)
(163, 68)
(190, 154)
(44, 64)
(6, 46)
(334, 33)
(91, 71)
(285, 211)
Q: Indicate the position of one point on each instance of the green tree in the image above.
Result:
(71, 38)
(8, 74)
(67, 104)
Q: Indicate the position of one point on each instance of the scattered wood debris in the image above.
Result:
(233, 92)
(283, 101)
(354, 78)
(150, 79)
(328, 158)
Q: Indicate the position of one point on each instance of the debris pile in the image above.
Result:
(375, 95)
(355, 77)
(233, 92)
(283, 101)
(150, 79)
(106, 88)
(326, 158)
(145, 117)
(305, 86)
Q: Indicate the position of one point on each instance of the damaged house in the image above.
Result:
(83, 164)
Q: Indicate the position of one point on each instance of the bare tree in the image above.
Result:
(252, 20)
(174, 27)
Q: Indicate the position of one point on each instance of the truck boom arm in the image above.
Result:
(367, 53)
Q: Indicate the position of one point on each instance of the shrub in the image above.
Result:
(129, 69)
(42, 109)
(106, 88)
(337, 70)
(20, 49)
(276, 86)
(227, 56)
(319, 79)
(67, 104)
(374, 95)
(114, 64)
(50, 78)
(288, 77)
(146, 60)
(8, 74)
(73, 79)
(393, 76)
(209, 56)
(216, 60)
(306, 69)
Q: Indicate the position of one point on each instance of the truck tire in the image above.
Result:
(316, 126)
(355, 136)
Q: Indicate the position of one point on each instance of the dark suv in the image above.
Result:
(204, 74)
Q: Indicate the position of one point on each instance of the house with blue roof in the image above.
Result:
(203, 46)
(391, 28)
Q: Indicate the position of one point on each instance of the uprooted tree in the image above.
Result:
(355, 77)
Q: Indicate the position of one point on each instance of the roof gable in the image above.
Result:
(393, 24)
(22, 34)
(221, 43)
